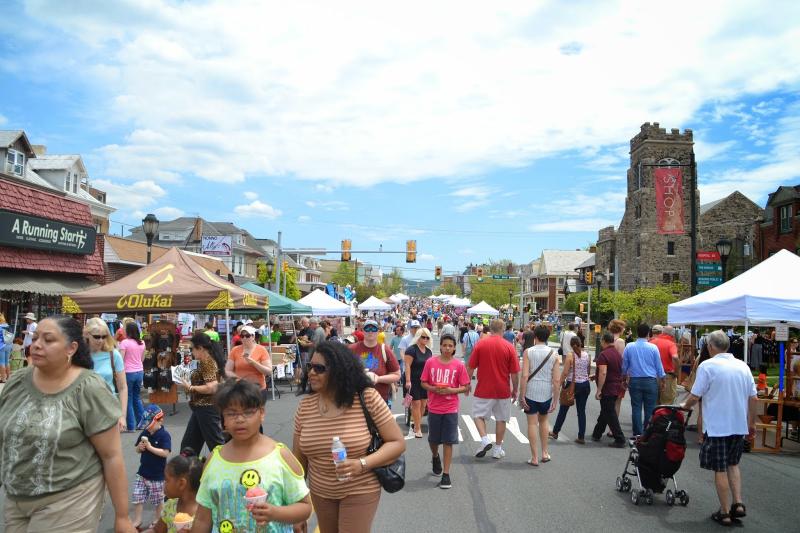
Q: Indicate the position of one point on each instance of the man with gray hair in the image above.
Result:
(664, 340)
(728, 391)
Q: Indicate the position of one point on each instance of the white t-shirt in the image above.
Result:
(566, 337)
(405, 342)
(725, 384)
(28, 340)
(540, 386)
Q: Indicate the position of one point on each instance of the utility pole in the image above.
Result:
(278, 265)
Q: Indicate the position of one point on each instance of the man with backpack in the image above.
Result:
(469, 341)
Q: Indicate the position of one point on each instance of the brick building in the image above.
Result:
(636, 253)
(780, 227)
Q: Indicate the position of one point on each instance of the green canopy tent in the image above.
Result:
(278, 305)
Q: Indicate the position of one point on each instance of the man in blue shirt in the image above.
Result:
(642, 368)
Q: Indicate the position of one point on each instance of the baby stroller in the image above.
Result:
(656, 456)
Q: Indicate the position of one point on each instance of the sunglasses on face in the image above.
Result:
(98, 337)
(425, 338)
(318, 369)
(370, 329)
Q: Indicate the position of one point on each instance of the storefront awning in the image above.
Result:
(41, 283)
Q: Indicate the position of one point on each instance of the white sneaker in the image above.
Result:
(498, 453)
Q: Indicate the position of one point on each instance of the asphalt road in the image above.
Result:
(572, 493)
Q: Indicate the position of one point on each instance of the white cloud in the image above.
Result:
(304, 219)
(250, 195)
(471, 197)
(333, 205)
(573, 225)
(360, 94)
(168, 213)
(426, 257)
(3, 120)
(132, 197)
(706, 151)
(325, 189)
(257, 208)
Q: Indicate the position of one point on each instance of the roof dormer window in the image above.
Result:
(15, 162)
(68, 182)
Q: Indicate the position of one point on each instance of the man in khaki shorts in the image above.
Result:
(497, 364)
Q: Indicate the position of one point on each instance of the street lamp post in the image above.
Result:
(270, 271)
(598, 276)
(510, 309)
(150, 228)
(724, 250)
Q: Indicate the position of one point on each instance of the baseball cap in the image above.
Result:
(248, 329)
(370, 323)
(414, 324)
(152, 413)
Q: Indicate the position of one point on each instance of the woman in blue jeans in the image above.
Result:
(132, 350)
(578, 360)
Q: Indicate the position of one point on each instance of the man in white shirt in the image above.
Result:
(728, 391)
(30, 320)
(566, 337)
(405, 342)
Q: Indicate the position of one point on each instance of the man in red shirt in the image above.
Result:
(379, 360)
(498, 371)
(664, 339)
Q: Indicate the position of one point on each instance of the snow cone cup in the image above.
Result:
(183, 522)
(255, 496)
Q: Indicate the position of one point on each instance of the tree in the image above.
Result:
(645, 304)
(391, 283)
(493, 291)
(292, 290)
(345, 274)
(447, 288)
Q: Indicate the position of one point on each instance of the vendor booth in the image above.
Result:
(483, 309)
(373, 304)
(766, 295)
(324, 305)
(171, 284)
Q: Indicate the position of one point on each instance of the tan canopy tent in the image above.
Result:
(172, 283)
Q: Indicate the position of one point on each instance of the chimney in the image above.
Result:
(197, 232)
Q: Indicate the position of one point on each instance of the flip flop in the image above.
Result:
(531, 463)
(546, 459)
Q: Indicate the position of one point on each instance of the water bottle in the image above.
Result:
(339, 453)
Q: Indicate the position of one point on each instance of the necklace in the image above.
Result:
(327, 410)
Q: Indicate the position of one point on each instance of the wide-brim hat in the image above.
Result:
(30, 316)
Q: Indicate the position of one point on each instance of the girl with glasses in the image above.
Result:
(252, 483)
(335, 380)
(108, 362)
(415, 358)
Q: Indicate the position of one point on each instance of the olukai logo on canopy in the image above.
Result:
(144, 301)
(152, 281)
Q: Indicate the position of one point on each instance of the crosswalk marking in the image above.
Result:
(512, 427)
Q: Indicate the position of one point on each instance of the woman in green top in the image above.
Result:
(59, 443)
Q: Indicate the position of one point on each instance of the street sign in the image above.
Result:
(709, 267)
(500, 276)
(782, 332)
(709, 280)
(708, 256)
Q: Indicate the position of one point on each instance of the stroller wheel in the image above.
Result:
(635, 498)
(648, 496)
(627, 484)
(684, 498)
(670, 497)
(620, 484)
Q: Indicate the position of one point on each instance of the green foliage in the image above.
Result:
(292, 290)
(447, 288)
(493, 291)
(645, 304)
(345, 274)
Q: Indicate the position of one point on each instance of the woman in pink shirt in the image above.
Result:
(132, 350)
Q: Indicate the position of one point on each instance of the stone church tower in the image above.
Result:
(642, 256)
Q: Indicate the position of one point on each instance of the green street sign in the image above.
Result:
(709, 267)
(709, 280)
(500, 276)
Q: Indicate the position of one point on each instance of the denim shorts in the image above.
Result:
(443, 429)
(537, 408)
(5, 352)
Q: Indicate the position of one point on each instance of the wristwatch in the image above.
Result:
(363, 464)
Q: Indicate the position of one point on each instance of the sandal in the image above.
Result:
(531, 462)
(738, 510)
(546, 458)
(719, 517)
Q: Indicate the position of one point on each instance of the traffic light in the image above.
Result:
(581, 308)
(411, 251)
(346, 247)
(480, 273)
(438, 273)
(286, 266)
(589, 277)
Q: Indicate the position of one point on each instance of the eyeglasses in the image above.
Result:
(318, 369)
(98, 337)
(370, 329)
(425, 337)
(247, 413)
(245, 336)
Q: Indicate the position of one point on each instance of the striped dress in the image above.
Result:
(313, 435)
(540, 387)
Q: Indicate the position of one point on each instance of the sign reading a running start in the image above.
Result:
(28, 231)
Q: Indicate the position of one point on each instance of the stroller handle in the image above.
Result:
(674, 408)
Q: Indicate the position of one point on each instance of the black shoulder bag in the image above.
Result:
(391, 477)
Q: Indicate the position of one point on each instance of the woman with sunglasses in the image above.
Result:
(132, 350)
(415, 358)
(108, 362)
(345, 496)
(250, 361)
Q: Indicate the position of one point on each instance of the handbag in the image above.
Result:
(113, 371)
(391, 477)
(567, 395)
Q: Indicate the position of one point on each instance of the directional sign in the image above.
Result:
(708, 256)
(500, 276)
(709, 267)
(709, 280)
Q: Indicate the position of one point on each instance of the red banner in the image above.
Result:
(708, 256)
(669, 201)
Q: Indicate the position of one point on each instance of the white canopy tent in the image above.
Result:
(324, 305)
(483, 309)
(402, 297)
(395, 299)
(765, 295)
(459, 302)
(373, 304)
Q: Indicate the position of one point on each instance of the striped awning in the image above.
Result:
(41, 283)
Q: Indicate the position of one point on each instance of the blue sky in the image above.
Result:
(482, 131)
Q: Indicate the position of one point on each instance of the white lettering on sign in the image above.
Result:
(669, 194)
(47, 233)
